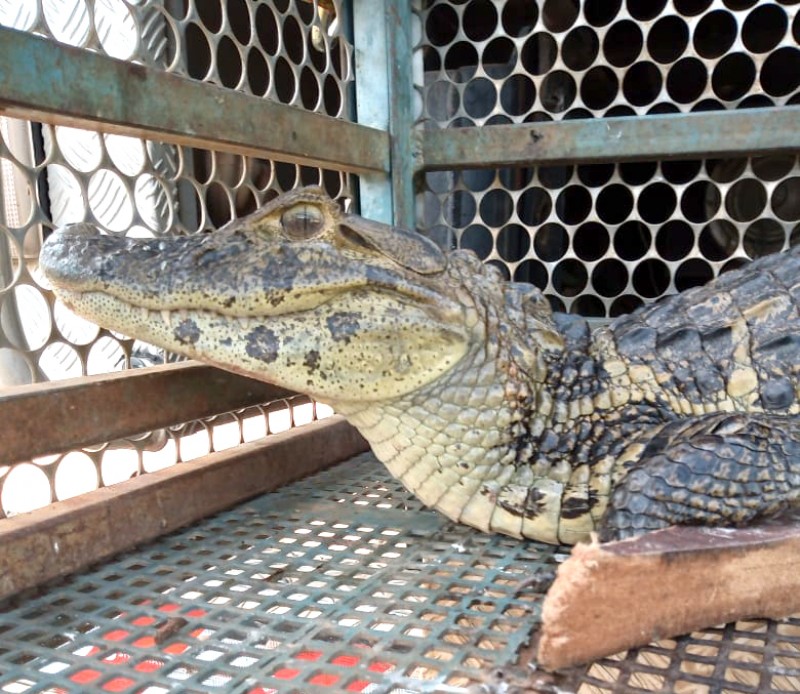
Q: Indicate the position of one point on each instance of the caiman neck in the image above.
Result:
(460, 435)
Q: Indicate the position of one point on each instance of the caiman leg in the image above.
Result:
(716, 469)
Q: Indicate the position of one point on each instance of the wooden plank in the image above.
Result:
(70, 535)
(672, 136)
(55, 83)
(620, 595)
(58, 416)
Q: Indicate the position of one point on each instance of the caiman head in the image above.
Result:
(432, 356)
(299, 293)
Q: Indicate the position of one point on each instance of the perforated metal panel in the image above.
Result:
(602, 239)
(292, 52)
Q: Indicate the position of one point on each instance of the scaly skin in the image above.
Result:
(484, 403)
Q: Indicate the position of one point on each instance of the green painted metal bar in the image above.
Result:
(371, 61)
(54, 83)
(673, 136)
(401, 117)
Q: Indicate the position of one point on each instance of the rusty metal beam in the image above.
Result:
(62, 415)
(674, 136)
(54, 83)
(70, 535)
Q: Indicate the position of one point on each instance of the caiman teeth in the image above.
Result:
(166, 316)
(144, 313)
(245, 321)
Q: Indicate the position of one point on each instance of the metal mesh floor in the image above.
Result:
(340, 583)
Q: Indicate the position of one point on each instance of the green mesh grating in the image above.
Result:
(338, 583)
(342, 583)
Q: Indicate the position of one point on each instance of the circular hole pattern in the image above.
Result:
(573, 204)
(599, 87)
(786, 199)
(558, 91)
(656, 203)
(718, 240)
(651, 278)
(733, 76)
(667, 39)
(746, 199)
(642, 83)
(559, 15)
(674, 240)
(539, 53)
(614, 203)
(780, 74)
(610, 277)
(714, 34)
(687, 80)
(441, 26)
(477, 238)
(763, 237)
(570, 277)
(632, 240)
(517, 95)
(550, 242)
(600, 12)
(591, 241)
(480, 97)
(700, 201)
(623, 43)
(692, 273)
(519, 17)
(499, 58)
(534, 206)
(764, 28)
(579, 48)
(480, 19)
(496, 208)
(513, 243)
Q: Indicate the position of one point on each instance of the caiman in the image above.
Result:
(486, 404)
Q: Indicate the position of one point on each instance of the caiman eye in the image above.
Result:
(302, 222)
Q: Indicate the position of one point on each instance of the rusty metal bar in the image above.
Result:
(94, 409)
(54, 83)
(70, 535)
(673, 136)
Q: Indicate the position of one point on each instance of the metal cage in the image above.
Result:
(608, 151)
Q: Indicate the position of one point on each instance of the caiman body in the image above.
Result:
(484, 403)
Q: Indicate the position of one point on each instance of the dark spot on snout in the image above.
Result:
(311, 362)
(344, 325)
(187, 332)
(263, 344)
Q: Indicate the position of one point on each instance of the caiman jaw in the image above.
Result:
(329, 315)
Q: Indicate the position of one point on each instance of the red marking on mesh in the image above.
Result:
(148, 665)
(116, 635)
(176, 648)
(358, 685)
(308, 655)
(324, 679)
(261, 690)
(197, 612)
(143, 621)
(145, 642)
(84, 676)
(116, 658)
(168, 607)
(118, 684)
(286, 673)
(346, 660)
(381, 666)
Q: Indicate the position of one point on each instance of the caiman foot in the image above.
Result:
(717, 469)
